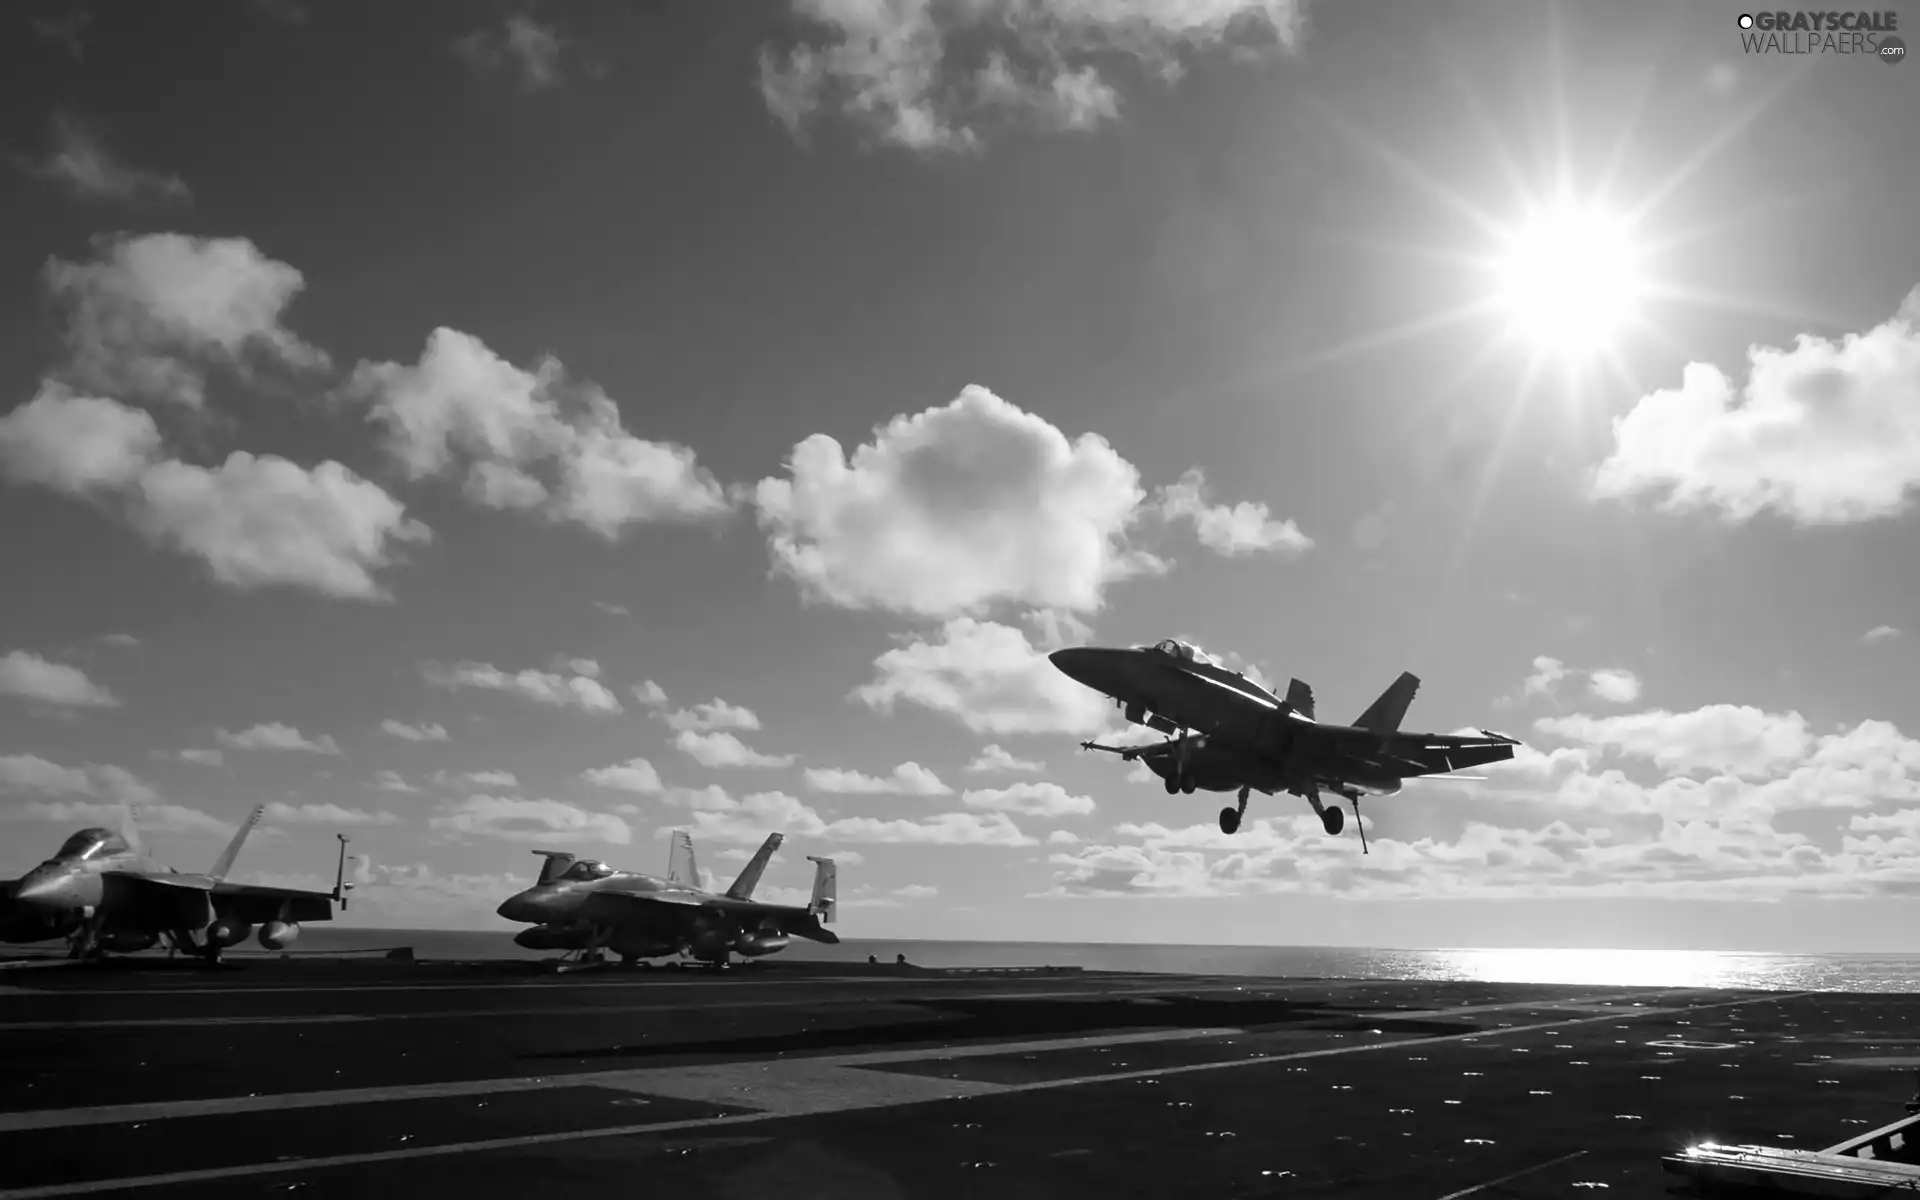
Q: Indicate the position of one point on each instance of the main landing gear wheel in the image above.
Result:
(1333, 819)
(1173, 784)
(1229, 820)
(1187, 786)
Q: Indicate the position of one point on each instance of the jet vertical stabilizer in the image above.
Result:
(680, 864)
(556, 865)
(225, 862)
(130, 826)
(1300, 698)
(1386, 713)
(826, 897)
(742, 888)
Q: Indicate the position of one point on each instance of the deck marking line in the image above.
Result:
(1481, 1187)
(209, 1174)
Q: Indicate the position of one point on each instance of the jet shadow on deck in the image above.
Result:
(1011, 1019)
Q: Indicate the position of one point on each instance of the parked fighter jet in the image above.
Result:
(584, 906)
(101, 891)
(1229, 733)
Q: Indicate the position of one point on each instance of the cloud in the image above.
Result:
(650, 694)
(942, 75)
(414, 733)
(916, 891)
(1825, 433)
(1737, 739)
(990, 677)
(149, 817)
(544, 822)
(81, 163)
(392, 781)
(529, 440)
(34, 678)
(579, 666)
(1031, 799)
(634, 775)
(254, 521)
(1063, 837)
(521, 47)
(1546, 677)
(491, 778)
(124, 640)
(1615, 684)
(953, 509)
(725, 750)
(612, 610)
(719, 817)
(711, 715)
(151, 313)
(1879, 633)
(276, 737)
(206, 758)
(907, 779)
(1245, 528)
(543, 687)
(32, 775)
(993, 758)
(326, 814)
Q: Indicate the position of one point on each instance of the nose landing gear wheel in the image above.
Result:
(1334, 820)
(1229, 820)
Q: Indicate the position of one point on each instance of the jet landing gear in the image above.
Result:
(1177, 779)
(1230, 817)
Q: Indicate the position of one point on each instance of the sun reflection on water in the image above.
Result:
(1626, 968)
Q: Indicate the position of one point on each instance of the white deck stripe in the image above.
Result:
(90, 1187)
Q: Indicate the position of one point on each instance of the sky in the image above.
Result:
(481, 428)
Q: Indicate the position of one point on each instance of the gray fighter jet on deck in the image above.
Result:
(586, 907)
(1228, 733)
(102, 892)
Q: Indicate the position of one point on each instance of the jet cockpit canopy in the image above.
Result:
(91, 843)
(1176, 648)
(586, 869)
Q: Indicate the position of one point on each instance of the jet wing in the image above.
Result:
(1438, 754)
(252, 902)
(618, 908)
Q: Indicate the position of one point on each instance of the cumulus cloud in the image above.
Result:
(725, 750)
(1879, 633)
(414, 733)
(529, 440)
(496, 779)
(650, 694)
(1030, 799)
(253, 520)
(634, 775)
(544, 822)
(1614, 684)
(276, 737)
(31, 677)
(955, 508)
(31, 774)
(151, 314)
(1827, 432)
(1737, 739)
(521, 47)
(206, 758)
(393, 781)
(282, 813)
(81, 163)
(543, 687)
(907, 779)
(993, 758)
(720, 817)
(987, 675)
(711, 715)
(942, 75)
(1236, 530)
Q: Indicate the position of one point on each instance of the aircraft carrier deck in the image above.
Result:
(794, 1080)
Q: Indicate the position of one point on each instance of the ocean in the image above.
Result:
(1623, 968)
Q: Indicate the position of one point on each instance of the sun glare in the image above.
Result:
(1569, 281)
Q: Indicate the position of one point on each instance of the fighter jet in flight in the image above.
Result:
(586, 907)
(1228, 733)
(101, 891)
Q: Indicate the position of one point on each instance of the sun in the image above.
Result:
(1569, 280)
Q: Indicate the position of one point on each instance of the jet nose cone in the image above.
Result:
(43, 889)
(520, 907)
(1086, 665)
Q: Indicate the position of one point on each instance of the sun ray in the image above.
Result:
(1430, 323)
(1406, 168)
(1691, 165)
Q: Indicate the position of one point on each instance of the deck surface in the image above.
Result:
(340, 1078)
